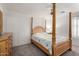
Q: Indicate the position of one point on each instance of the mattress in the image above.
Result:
(45, 39)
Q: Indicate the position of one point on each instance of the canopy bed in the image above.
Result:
(51, 44)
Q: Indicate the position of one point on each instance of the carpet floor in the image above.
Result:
(32, 50)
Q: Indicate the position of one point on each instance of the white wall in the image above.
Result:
(20, 25)
(38, 21)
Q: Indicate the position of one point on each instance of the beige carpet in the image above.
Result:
(31, 50)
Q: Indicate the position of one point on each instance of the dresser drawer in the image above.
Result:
(6, 45)
(3, 47)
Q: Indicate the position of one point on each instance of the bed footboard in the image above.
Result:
(59, 49)
(62, 48)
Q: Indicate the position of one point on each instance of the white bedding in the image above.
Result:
(46, 40)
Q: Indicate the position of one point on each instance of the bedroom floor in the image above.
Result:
(31, 50)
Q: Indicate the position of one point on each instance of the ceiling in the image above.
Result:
(42, 8)
(28, 8)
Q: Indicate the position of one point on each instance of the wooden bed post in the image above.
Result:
(31, 25)
(70, 30)
(45, 25)
(53, 13)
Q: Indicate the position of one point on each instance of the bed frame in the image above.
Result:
(56, 49)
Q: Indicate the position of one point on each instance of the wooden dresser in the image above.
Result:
(6, 44)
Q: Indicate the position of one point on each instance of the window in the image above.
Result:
(75, 27)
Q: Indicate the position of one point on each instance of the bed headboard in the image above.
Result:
(38, 29)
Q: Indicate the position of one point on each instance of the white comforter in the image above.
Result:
(46, 40)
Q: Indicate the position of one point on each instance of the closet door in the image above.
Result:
(1, 22)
